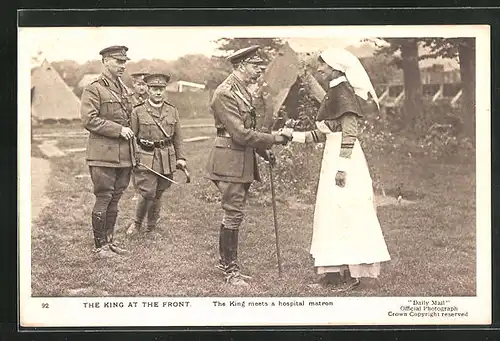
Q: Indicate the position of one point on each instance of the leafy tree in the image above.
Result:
(268, 46)
(67, 69)
(408, 62)
(464, 50)
(202, 69)
(380, 68)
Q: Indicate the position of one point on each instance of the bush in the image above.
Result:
(295, 174)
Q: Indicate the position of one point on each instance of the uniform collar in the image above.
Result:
(114, 82)
(154, 105)
(109, 77)
(241, 86)
(334, 82)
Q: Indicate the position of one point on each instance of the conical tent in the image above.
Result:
(51, 98)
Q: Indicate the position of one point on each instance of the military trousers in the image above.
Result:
(233, 200)
(109, 185)
(149, 185)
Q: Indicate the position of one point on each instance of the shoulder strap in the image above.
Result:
(240, 95)
(159, 126)
(253, 117)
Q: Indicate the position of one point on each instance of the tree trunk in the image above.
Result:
(413, 104)
(467, 56)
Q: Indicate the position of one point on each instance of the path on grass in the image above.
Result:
(40, 170)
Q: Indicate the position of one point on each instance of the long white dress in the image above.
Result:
(346, 230)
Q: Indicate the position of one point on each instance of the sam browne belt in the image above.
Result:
(149, 145)
(221, 132)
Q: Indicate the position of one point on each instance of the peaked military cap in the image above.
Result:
(156, 79)
(115, 51)
(139, 76)
(247, 54)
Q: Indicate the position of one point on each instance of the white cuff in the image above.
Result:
(343, 163)
(299, 136)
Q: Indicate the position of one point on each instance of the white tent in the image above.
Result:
(51, 98)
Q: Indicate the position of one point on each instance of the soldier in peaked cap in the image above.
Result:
(232, 162)
(157, 128)
(140, 88)
(105, 110)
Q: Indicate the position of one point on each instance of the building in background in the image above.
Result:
(185, 86)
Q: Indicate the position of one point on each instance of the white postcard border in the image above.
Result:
(71, 312)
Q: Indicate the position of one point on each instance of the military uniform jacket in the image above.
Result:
(105, 109)
(162, 160)
(138, 99)
(232, 157)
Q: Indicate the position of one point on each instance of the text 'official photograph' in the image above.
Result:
(218, 176)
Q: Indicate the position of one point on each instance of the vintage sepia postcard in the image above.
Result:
(254, 176)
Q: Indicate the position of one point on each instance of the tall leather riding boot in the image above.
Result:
(231, 250)
(140, 213)
(233, 275)
(99, 229)
(110, 226)
(153, 214)
(102, 248)
(221, 265)
(110, 230)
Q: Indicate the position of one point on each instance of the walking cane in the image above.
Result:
(273, 196)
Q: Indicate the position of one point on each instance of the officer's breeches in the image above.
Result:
(151, 188)
(109, 185)
(148, 184)
(233, 198)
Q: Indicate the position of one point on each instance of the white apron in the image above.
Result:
(346, 230)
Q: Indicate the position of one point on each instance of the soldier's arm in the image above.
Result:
(89, 112)
(134, 121)
(226, 109)
(178, 140)
(313, 136)
(349, 122)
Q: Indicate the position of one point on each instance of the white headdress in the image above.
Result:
(344, 61)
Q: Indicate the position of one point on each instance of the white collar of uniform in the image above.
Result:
(154, 104)
(337, 81)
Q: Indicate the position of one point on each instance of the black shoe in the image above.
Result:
(347, 286)
(331, 279)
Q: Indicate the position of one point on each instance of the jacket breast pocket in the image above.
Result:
(169, 124)
(229, 158)
(148, 130)
(111, 109)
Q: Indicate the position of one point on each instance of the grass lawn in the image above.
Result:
(431, 242)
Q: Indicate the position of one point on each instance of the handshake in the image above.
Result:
(287, 130)
(282, 136)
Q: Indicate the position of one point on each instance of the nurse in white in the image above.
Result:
(347, 241)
